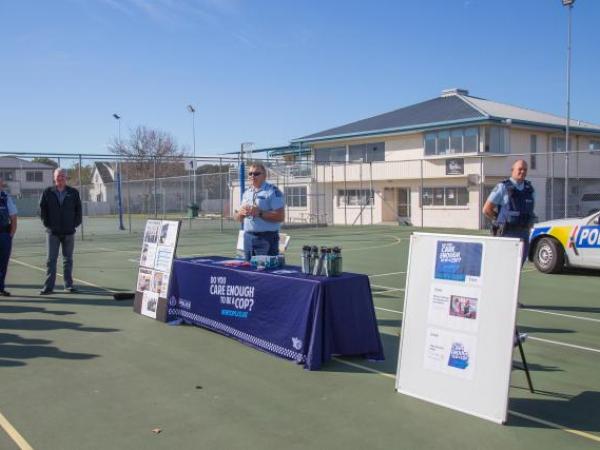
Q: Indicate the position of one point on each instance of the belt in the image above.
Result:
(261, 233)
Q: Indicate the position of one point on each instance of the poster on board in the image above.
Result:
(158, 251)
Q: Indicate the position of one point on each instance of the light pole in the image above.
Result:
(118, 176)
(191, 109)
(569, 4)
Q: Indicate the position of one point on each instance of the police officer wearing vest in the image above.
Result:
(8, 227)
(60, 211)
(510, 206)
(262, 211)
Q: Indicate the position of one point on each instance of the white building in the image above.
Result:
(434, 163)
(25, 179)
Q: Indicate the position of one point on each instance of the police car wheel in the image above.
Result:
(549, 256)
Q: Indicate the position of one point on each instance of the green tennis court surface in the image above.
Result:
(82, 371)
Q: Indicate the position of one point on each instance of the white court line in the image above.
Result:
(570, 316)
(388, 310)
(387, 291)
(533, 338)
(540, 311)
(41, 269)
(14, 434)
(564, 344)
(385, 274)
(387, 287)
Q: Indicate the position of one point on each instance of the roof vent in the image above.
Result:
(454, 91)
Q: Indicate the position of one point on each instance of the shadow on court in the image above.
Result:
(14, 349)
(579, 412)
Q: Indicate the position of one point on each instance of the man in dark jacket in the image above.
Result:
(60, 210)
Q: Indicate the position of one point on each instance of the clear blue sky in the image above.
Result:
(269, 71)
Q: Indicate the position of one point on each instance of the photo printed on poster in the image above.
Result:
(149, 304)
(450, 353)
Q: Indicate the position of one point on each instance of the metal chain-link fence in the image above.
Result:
(441, 191)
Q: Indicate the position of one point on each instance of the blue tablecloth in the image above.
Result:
(303, 318)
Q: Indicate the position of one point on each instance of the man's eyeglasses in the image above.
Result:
(254, 174)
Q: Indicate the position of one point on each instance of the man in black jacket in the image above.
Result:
(60, 210)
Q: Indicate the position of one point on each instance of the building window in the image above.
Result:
(594, 145)
(7, 175)
(330, 154)
(496, 140)
(295, 197)
(448, 142)
(430, 141)
(354, 197)
(371, 152)
(557, 144)
(533, 151)
(367, 152)
(445, 196)
(36, 176)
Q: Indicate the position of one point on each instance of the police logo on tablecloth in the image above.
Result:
(173, 301)
(296, 343)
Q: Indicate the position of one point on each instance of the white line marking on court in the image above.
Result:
(564, 344)
(387, 291)
(533, 338)
(397, 241)
(547, 423)
(555, 425)
(41, 269)
(14, 434)
(570, 316)
(385, 274)
(389, 288)
(388, 310)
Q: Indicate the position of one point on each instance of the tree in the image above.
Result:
(143, 147)
(213, 178)
(44, 160)
(86, 175)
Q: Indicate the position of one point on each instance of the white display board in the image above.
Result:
(156, 261)
(459, 322)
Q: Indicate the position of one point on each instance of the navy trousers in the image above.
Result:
(5, 249)
(261, 243)
(523, 234)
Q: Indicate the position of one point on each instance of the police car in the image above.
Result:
(570, 242)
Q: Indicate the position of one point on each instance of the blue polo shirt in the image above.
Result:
(499, 196)
(268, 198)
(10, 205)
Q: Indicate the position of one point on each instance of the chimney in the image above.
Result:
(454, 91)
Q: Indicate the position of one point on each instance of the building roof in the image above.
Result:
(12, 162)
(453, 107)
(105, 170)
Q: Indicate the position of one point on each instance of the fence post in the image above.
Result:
(80, 194)
(128, 197)
(421, 197)
(345, 196)
(332, 194)
(155, 194)
(372, 192)
(221, 190)
(481, 193)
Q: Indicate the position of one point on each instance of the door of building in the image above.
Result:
(403, 204)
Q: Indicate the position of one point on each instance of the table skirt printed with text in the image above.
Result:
(303, 318)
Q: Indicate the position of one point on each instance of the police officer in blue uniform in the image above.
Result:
(510, 206)
(8, 227)
(262, 211)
